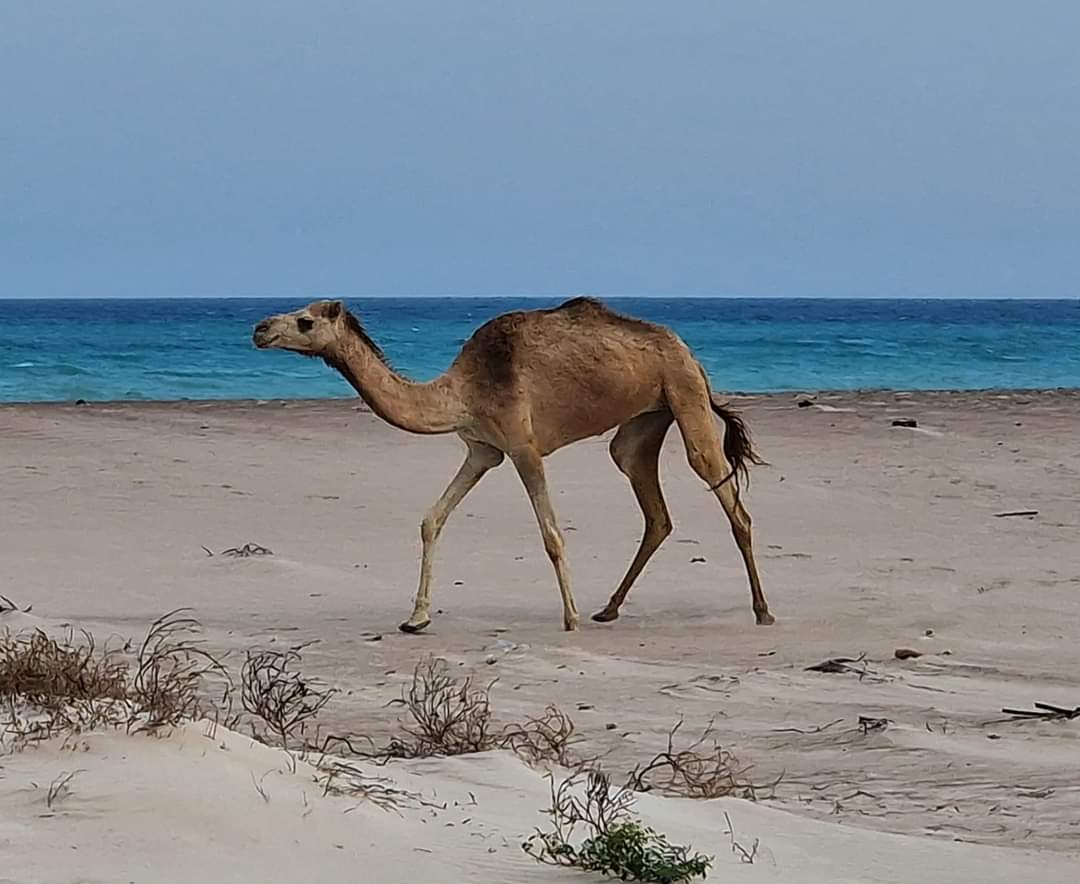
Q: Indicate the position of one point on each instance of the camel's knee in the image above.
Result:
(553, 545)
(742, 534)
(659, 529)
(666, 527)
(711, 466)
(742, 517)
(429, 529)
(741, 525)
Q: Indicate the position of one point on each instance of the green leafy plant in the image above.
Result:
(617, 844)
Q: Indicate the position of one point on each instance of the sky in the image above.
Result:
(255, 147)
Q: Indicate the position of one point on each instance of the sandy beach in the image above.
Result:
(870, 538)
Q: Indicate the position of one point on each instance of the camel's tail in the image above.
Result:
(738, 446)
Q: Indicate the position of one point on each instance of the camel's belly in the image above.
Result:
(563, 408)
(555, 428)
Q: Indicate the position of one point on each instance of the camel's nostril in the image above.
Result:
(262, 327)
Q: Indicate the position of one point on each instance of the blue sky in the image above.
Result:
(236, 147)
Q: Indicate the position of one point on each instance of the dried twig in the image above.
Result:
(258, 784)
(7, 606)
(744, 855)
(338, 777)
(703, 769)
(868, 723)
(60, 787)
(813, 730)
(854, 665)
(243, 552)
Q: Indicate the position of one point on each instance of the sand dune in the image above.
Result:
(203, 803)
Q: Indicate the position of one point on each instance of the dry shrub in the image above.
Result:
(600, 808)
(449, 716)
(702, 769)
(547, 737)
(172, 673)
(51, 686)
(43, 670)
(279, 695)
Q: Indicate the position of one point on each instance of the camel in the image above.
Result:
(530, 382)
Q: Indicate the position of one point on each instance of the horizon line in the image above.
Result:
(534, 296)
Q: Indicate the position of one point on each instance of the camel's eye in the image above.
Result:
(305, 324)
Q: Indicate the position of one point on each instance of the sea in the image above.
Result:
(197, 349)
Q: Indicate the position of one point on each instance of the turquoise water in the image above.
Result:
(201, 349)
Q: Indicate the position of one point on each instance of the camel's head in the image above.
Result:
(313, 330)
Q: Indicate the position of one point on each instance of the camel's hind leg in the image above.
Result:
(479, 460)
(636, 452)
(693, 413)
(740, 526)
(530, 467)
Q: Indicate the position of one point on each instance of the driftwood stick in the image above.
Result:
(1046, 711)
(1059, 709)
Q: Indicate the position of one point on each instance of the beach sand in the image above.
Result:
(870, 538)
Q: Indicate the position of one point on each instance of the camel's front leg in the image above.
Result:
(530, 467)
(479, 460)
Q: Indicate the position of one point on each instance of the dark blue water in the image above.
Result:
(201, 349)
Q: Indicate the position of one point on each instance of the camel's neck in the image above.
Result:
(416, 408)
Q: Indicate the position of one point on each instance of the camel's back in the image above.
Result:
(580, 365)
(582, 335)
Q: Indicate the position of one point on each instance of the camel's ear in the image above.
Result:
(333, 309)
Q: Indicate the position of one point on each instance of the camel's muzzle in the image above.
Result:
(262, 337)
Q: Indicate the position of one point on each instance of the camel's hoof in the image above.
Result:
(414, 628)
(765, 619)
(570, 625)
(606, 616)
